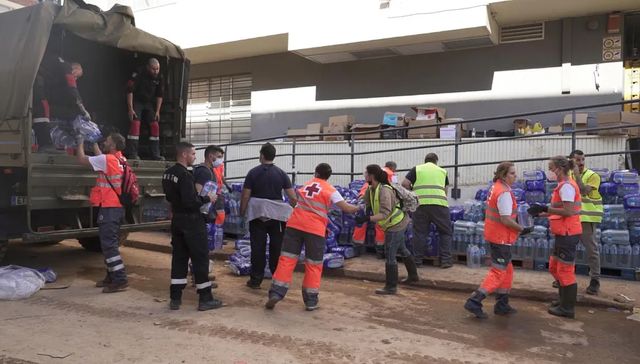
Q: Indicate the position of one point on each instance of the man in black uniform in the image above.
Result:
(145, 90)
(60, 80)
(188, 230)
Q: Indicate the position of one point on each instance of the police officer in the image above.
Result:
(188, 230)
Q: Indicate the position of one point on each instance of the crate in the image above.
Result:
(432, 261)
(390, 132)
(629, 274)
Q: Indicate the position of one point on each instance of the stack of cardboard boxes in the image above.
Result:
(628, 122)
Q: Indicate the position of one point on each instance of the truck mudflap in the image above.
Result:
(89, 232)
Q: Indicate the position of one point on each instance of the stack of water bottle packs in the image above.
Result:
(233, 223)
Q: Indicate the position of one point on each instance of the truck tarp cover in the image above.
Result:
(25, 34)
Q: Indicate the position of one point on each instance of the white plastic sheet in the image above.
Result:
(18, 282)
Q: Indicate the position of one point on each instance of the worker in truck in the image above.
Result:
(261, 204)
(41, 116)
(61, 87)
(382, 199)
(501, 232)
(564, 223)
(145, 91)
(188, 230)
(307, 227)
(590, 216)
(430, 183)
(105, 196)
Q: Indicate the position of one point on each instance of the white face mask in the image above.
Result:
(217, 162)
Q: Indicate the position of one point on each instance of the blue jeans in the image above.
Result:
(394, 243)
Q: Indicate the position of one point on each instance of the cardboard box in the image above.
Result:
(333, 130)
(427, 112)
(423, 133)
(448, 132)
(629, 123)
(393, 119)
(581, 119)
(554, 129)
(461, 129)
(374, 130)
(344, 121)
(297, 134)
(314, 128)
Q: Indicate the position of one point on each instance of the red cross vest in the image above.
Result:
(570, 225)
(103, 194)
(495, 231)
(311, 214)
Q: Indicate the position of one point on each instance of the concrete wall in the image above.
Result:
(290, 91)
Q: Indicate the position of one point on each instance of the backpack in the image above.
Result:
(409, 201)
(130, 191)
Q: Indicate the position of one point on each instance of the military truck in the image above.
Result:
(44, 198)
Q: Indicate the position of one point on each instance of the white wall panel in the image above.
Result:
(473, 153)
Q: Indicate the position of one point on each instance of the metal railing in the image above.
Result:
(455, 192)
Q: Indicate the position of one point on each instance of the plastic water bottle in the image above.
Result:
(624, 256)
(580, 253)
(542, 249)
(211, 233)
(209, 187)
(528, 246)
(636, 256)
(218, 237)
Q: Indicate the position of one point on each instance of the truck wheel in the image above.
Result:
(4, 245)
(92, 244)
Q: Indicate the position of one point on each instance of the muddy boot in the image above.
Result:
(412, 271)
(555, 284)
(208, 302)
(567, 305)
(174, 304)
(310, 300)
(132, 149)
(104, 282)
(594, 287)
(391, 286)
(114, 287)
(502, 306)
(556, 303)
(474, 304)
(154, 146)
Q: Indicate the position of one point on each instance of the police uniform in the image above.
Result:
(146, 90)
(188, 234)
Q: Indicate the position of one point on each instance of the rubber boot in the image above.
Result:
(310, 300)
(154, 146)
(208, 302)
(502, 306)
(43, 135)
(474, 304)
(132, 149)
(555, 303)
(568, 297)
(594, 287)
(412, 271)
(391, 273)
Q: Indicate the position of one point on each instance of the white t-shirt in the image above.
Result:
(505, 204)
(567, 193)
(336, 197)
(99, 163)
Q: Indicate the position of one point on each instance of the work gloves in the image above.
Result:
(537, 209)
(527, 230)
(361, 219)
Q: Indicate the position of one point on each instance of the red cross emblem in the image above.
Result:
(312, 190)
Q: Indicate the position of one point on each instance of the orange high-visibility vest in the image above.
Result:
(495, 231)
(219, 173)
(311, 214)
(561, 225)
(103, 194)
(390, 174)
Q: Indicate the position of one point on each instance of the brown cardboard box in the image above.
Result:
(629, 123)
(333, 130)
(343, 121)
(423, 133)
(461, 129)
(554, 129)
(373, 128)
(581, 120)
(426, 112)
(314, 128)
(297, 134)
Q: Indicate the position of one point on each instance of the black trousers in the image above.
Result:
(189, 241)
(258, 231)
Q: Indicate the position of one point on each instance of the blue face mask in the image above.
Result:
(217, 162)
